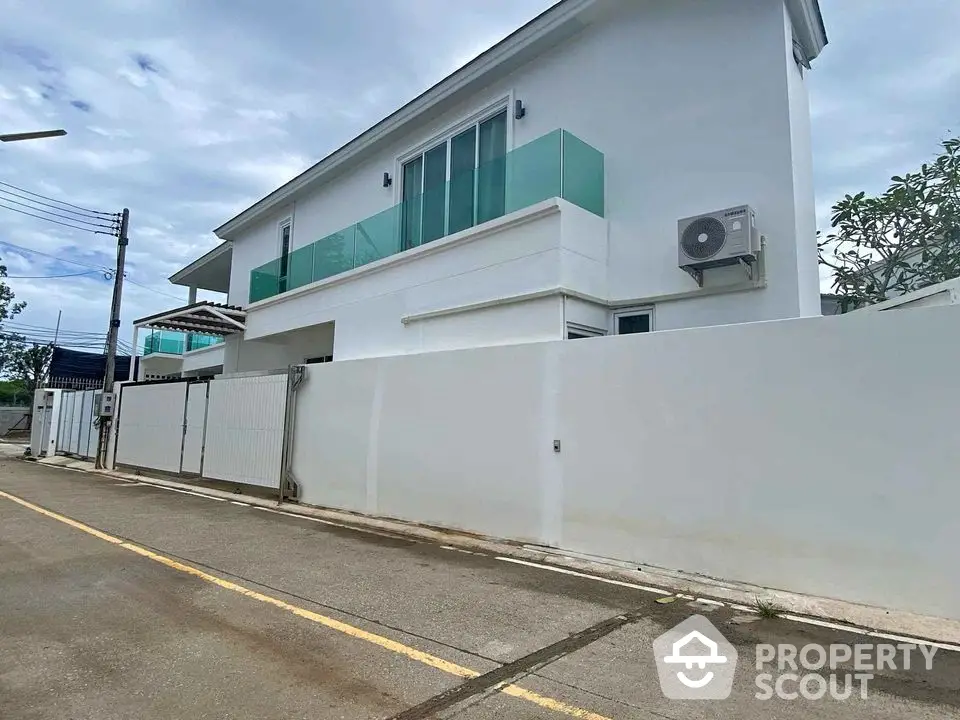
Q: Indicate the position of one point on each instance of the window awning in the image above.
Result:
(205, 317)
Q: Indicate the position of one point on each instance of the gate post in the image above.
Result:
(288, 486)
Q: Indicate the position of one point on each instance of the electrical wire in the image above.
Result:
(108, 273)
(113, 223)
(82, 214)
(47, 277)
(147, 287)
(61, 202)
(101, 268)
(75, 227)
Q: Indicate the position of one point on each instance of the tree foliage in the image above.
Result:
(9, 342)
(900, 241)
(29, 363)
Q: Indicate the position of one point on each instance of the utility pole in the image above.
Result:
(112, 333)
(56, 333)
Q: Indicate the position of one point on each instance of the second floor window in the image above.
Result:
(284, 255)
(456, 184)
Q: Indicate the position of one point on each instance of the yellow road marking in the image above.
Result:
(355, 632)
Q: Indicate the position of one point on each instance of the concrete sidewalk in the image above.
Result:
(802, 608)
(128, 600)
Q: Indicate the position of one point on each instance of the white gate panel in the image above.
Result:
(150, 426)
(193, 432)
(88, 431)
(65, 427)
(76, 422)
(245, 429)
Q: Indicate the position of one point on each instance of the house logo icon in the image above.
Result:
(695, 662)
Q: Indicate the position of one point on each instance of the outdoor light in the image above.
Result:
(387, 180)
(519, 111)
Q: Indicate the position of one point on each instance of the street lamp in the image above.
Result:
(13, 137)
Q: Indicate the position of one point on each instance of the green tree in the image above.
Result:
(29, 364)
(9, 342)
(900, 241)
(13, 392)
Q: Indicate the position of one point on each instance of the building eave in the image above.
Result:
(555, 17)
(809, 26)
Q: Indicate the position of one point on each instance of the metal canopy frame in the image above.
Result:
(208, 318)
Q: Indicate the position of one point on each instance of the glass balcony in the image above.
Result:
(556, 165)
(172, 342)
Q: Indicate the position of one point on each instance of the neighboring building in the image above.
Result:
(76, 370)
(943, 293)
(830, 304)
(535, 194)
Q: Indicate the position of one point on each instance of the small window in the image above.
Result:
(285, 231)
(576, 331)
(630, 322)
(319, 359)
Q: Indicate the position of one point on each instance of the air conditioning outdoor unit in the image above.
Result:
(717, 239)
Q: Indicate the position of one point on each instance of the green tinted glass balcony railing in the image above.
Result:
(176, 343)
(556, 165)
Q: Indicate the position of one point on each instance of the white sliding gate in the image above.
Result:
(76, 431)
(150, 425)
(244, 441)
(229, 429)
(191, 461)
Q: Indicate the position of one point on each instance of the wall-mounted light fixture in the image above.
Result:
(519, 110)
(387, 180)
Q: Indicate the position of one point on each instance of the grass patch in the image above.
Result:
(766, 608)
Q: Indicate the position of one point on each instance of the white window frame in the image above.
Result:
(287, 222)
(586, 330)
(484, 112)
(630, 312)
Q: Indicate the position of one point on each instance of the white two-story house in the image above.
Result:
(535, 194)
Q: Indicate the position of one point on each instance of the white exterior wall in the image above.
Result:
(679, 449)
(682, 133)
(550, 245)
(207, 357)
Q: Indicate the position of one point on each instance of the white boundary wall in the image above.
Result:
(817, 455)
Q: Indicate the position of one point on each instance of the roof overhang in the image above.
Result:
(204, 317)
(808, 26)
(557, 23)
(210, 272)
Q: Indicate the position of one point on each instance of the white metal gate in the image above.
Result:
(76, 429)
(228, 429)
(150, 426)
(244, 439)
(194, 417)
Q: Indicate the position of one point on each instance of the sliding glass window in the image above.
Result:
(455, 184)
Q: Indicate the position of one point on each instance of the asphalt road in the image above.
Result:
(120, 600)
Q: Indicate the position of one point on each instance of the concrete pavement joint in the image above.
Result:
(331, 623)
(499, 677)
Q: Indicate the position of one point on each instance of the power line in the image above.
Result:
(158, 292)
(61, 202)
(46, 277)
(72, 218)
(102, 268)
(100, 218)
(75, 227)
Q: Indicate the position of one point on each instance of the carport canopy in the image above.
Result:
(208, 318)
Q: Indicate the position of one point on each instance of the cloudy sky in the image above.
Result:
(189, 111)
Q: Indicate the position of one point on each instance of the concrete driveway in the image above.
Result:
(122, 600)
